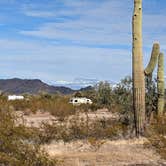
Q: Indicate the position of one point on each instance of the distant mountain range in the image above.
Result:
(34, 86)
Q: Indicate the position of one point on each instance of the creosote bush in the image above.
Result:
(77, 127)
(156, 135)
(18, 144)
(54, 104)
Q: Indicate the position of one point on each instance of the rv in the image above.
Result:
(15, 97)
(80, 100)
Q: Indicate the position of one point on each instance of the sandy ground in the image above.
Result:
(35, 120)
(109, 153)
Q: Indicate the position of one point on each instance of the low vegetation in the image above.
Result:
(78, 128)
(156, 135)
(20, 145)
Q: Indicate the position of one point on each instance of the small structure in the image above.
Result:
(80, 100)
(15, 97)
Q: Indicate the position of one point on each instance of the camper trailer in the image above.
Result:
(15, 97)
(80, 100)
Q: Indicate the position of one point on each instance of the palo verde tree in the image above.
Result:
(139, 73)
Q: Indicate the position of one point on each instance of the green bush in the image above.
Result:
(18, 144)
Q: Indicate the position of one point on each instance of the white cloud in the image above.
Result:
(107, 22)
(61, 62)
(85, 24)
(39, 13)
(102, 24)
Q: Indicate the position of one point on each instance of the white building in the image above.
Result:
(15, 97)
(80, 100)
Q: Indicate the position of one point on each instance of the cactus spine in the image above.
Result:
(160, 85)
(138, 72)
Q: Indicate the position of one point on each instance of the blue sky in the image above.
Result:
(66, 39)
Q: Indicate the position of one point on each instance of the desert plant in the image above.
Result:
(104, 94)
(17, 146)
(122, 95)
(156, 136)
(76, 128)
(138, 72)
(160, 85)
(151, 97)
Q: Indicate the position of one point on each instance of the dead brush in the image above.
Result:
(156, 134)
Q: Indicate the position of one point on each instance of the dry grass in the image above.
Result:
(110, 153)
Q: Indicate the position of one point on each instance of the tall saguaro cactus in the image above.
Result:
(138, 71)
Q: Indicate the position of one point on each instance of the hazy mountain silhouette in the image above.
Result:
(31, 86)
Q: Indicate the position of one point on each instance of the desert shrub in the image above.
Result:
(122, 95)
(95, 143)
(76, 128)
(78, 94)
(55, 104)
(104, 94)
(20, 105)
(91, 93)
(61, 108)
(17, 145)
(151, 96)
(156, 134)
(87, 107)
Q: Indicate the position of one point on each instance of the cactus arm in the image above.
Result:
(153, 60)
(138, 71)
(160, 85)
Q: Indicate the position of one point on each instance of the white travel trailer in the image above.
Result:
(15, 97)
(80, 100)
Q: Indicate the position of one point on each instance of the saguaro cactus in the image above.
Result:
(153, 60)
(156, 55)
(160, 85)
(138, 71)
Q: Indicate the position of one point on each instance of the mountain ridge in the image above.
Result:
(30, 86)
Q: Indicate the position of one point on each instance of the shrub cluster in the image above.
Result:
(18, 144)
(76, 128)
(54, 104)
(156, 134)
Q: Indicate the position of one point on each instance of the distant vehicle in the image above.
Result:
(15, 97)
(80, 100)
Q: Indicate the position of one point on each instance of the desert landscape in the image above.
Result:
(73, 87)
(121, 152)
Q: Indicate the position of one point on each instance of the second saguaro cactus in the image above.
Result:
(160, 85)
(153, 60)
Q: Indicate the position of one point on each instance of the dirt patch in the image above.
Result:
(111, 153)
(35, 120)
